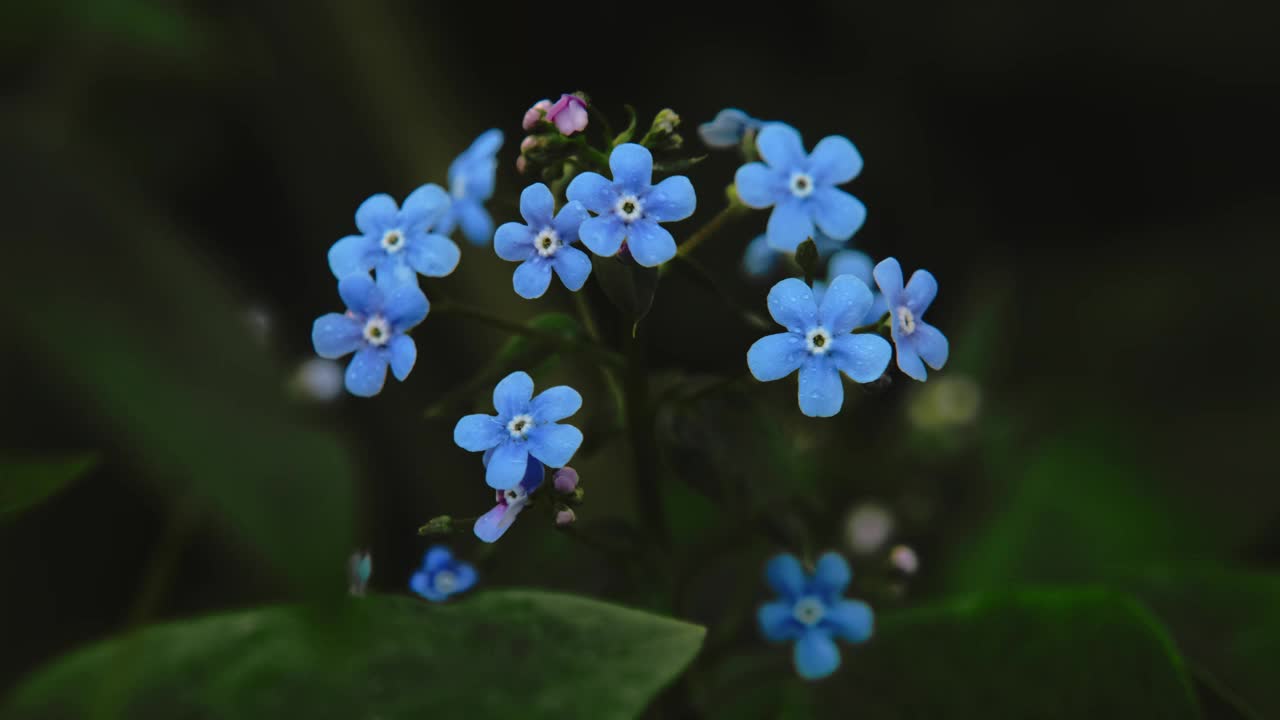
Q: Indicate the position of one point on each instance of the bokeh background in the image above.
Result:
(1094, 185)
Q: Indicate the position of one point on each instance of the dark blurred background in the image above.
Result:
(1094, 185)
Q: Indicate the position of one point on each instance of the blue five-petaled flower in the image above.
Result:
(629, 208)
(812, 612)
(917, 341)
(727, 129)
(491, 526)
(374, 329)
(441, 575)
(801, 188)
(818, 342)
(544, 244)
(471, 180)
(525, 425)
(398, 242)
(857, 264)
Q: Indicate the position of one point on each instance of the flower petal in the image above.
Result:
(791, 305)
(493, 524)
(789, 225)
(394, 273)
(534, 473)
(726, 129)
(816, 655)
(831, 576)
(670, 200)
(759, 259)
(568, 220)
(433, 255)
(436, 559)
(554, 444)
(335, 335)
(851, 262)
(931, 345)
(844, 305)
(594, 191)
(837, 213)
(513, 242)
(632, 167)
(406, 307)
(650, 243)
(351, 255)
(603, 235)
(403, 354)
(479, 432)
(785, 576)
(424, 207)
(573, 266)
(774, 357)
(921, 289)
(820, 393)
(465, 577)
(780, 146)
(757, 185)
(834, 161)
(420, 582)
(532, 278)
(850, 620)
(474, 220)
(863, 357)
(507, 464)
(537, 206)
(377, 214)
(888, 274)
(367, 372)
(360, 294)
(555, 403)
(777, 621)
(512, 395)
(908, 359)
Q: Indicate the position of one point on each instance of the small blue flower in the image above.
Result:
(915, 339)
(812, 612)
(857, 264)
(491, 526)
(524, 426)
(397, 242)
(374, 328)
(441, 575)
(544, 244)
(801, 186)
(727, 128)
(629, 208)
(471, 180)
(760, 259)
(818, 342)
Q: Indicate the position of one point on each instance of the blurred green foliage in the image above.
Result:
(24, 482)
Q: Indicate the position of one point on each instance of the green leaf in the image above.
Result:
(498, 654)
(26, 482)
(629, 286)
(518, 347)
(678, 165)
(630, 131)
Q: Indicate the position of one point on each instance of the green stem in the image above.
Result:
(550, 338)
(875, 327)
(644, 443)
(713, 226)
(610, 377)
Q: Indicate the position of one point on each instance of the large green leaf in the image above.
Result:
(498, 654)
(26, 482)
(1043, 653)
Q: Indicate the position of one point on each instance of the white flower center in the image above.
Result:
(628, 208)
(818, 341)
(445, 582)
(520, 426)
(809, 611)
(377, 331)
(393, 241)
(801, 184)
(514, 496)
(547, 242)
(906, 320)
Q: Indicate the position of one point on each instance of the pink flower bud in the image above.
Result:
(530, 142)
(521, 164)
(534, 114)
(565, 480)
(904, 559)
(569, 114)
(565, 517)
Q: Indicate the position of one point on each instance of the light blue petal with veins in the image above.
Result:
(532, 278)
(512, 394)
(863, 357)
(791, 305)
(514, 242)
(335, 335)
(555, 403)
(573, 266)
(820, 393)
(780, 146)
(670, 200)
(834, 161)
(432, 255)
(650, 243)
(603, 235)
(632, 167)
(844, 304)
(836, 212)
(757, 185)
(536, 205)
(554, 444)
(479, 432)
(367, 372)
(403, 355)
(790, 224)
(507, 464)
(594, 191)
(774, 357)
(377, 214)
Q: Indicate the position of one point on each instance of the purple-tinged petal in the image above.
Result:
(554, 444)
(367, 372)
(816, 655)
(433, 255)
(670, 200)
(785, 576)
(757, 185)
(777, 621)
(931, 345)
(335, 335)
(780, 146)
(774, 357)
(352, 255)
(403, 355)
(532, 278)
(650, 243)
(555, 403)
(479, 432)
(920, 292)
(534, 473)
(632, 167)
(791, 305)
(888, 274)
(789, 225)
(820, 393)
(537, 206)
(834, 161)
(603, 235)
(514, 242)
(908, 359)
(850, 620)
(507, 465)
(594, 191)
(844, 304)
(493, 524)
(377, 214)
(837, 213)
(863, 357)
(360, 294)
(512, 394)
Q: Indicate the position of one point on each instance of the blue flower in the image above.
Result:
(374, 329)
(727, 128)
(915, 339)
(397, 242)
(524, 426)
(441, 575)
(818, 342)
(760, 260)
(801, 187)
(629, 209)
(471, 179)
(857, 264)
(544, 244)
(491, 526)
(811, 612)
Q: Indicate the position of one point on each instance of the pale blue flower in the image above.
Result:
(918, 342)
(727, 128)
(374, 328)
(398, 242)
(544, 243)
(471, 180)
(857, 264)
(812, 612)
(441, 575)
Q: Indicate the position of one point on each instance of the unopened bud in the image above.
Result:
(576, 497)
(565, 517)
(521, 165)
(439, 525)
(534, 114)
(529, 143)
(666, 121)
(904, 560)
(869, 527)
(565, 480)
